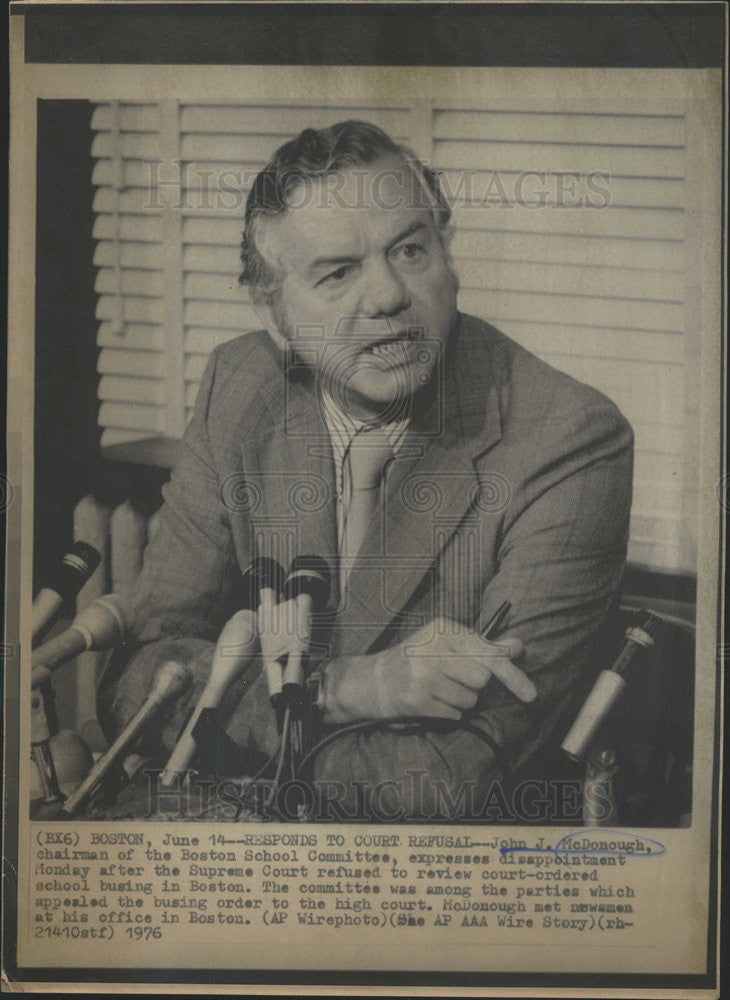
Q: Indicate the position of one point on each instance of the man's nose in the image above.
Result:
(385, 293)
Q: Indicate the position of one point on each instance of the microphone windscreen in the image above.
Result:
(171, 680)
(100, 625)
(61, 586)
(103, 620)
(309, 575)
(266, 574)
(74, 569)
(245, 591)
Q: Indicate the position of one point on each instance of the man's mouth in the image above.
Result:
(394, 343)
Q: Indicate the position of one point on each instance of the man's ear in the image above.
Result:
(265, 312)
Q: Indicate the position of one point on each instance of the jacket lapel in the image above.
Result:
(290, 482)
(427, 491)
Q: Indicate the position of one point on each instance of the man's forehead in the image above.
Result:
(369, 185)
(345, 210)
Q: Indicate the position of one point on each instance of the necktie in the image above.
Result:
(367, 456)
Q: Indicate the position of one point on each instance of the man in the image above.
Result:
(439, 468)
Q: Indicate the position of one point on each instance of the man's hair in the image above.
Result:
(317, 153)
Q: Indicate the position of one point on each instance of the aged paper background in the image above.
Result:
(671, 928)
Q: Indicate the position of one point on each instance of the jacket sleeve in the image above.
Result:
(560, 563)
(181, 599)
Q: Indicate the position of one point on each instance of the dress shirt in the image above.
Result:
(342, 429)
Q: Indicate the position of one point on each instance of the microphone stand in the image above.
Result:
(308, 586)
(40, 750)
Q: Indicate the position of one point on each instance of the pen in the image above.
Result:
(493, 625)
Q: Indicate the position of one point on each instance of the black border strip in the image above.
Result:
(380, 34)
(369, 978)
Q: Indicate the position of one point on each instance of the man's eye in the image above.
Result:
(411, 251)
(339, 275)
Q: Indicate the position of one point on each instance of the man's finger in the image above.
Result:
(516, 647)
(514, 679)
(511, 648)
(466, 669)
(452, 693)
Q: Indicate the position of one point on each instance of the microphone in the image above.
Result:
(609, 686)
(308, 586)
(61, 586)
(268, 583)
(234, 651)
(99, 625)
(171, 680)
(306, 589)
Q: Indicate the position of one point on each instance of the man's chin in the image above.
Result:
(385, 400)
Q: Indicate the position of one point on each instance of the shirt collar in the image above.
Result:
(343, 427)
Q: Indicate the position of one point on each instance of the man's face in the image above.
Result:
(367, 297)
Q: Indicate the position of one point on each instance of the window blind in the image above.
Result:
(571, 238)
(171, 181)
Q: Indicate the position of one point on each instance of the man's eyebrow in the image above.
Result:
(320, 263)
(409, 231)
(324, 262)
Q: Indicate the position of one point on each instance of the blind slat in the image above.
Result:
(131, 228)
(624, 161)
(656, 529)
(659, 556)
(280, 123)
(202, 340)
(555, 127)
(112, 435)
(631, 383)
(194, 368)
(134, 173)
(215, 232)
(133, 390)
(598, 191)
(634, 345)
(215, 287)
(666, 494)
(134, 308)
(131, 416)
(626, 283)
(223, 260)
(130, 281)
(133, 201)
(624, 223)
(653, 438)
(132, 145)
(131, 118)
(570, 248)
(589, 311)
(133, 255)
(135, 336)
(145, 364)
(225, 315)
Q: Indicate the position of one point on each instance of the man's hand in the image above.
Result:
(439, 671)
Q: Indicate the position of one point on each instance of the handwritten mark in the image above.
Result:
(598, 841)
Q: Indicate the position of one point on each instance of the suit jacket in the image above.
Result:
(514, 483)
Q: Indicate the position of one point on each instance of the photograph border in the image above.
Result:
(92, 35)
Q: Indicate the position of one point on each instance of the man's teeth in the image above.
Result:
(389, 347)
